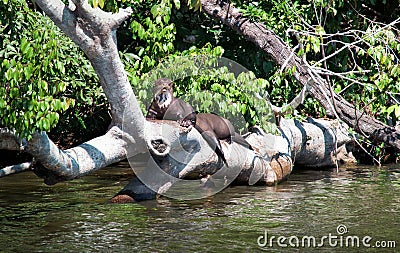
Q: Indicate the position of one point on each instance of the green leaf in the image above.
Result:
(57, 105)
(101, 3)
(61, 86)
(24, 45)
(45, 124)
(320, 30)
(166, 18)
(44, 85)
(29, 53)
(243, 109)
(95, 3)
(155, 10)
(9, 74)
(177, 4)
(195, 4)
(390, 109)
(28, 72)
(397, 111)
(43, 106)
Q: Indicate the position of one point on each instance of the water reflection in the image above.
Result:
(76, 216)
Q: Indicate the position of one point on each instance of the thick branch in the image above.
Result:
(187, 162)
(270, 43)
(315, 143)
(78, 161)
(14, 169)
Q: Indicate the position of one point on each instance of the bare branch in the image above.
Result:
(78, 161)
(14, 169)
(357, 41)
(120, 17)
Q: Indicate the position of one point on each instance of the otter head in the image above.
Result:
(163, 92)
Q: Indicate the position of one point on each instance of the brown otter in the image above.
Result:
(212, 127)
(166, 106)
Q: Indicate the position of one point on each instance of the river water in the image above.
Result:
(354, 210)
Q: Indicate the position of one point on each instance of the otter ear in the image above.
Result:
(171, 84)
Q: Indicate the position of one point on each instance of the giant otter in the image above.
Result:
(212, 127)
(166, 106)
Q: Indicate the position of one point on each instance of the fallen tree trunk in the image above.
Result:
(197, 174)
(282, 54)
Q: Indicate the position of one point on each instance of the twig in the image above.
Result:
(357, 41)
(289, 58)
(14, 169)
(366, 151)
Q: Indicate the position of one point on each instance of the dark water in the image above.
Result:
(76, 216)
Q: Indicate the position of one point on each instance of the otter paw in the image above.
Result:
(185, 129)
(185, 123)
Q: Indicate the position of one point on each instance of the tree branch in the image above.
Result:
(60, 165)
(14, 169)
(310, 144)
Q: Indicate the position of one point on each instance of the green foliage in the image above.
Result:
(42, 73)
(154, 34)
(30, 70)
(111, 5)
(279, 16)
